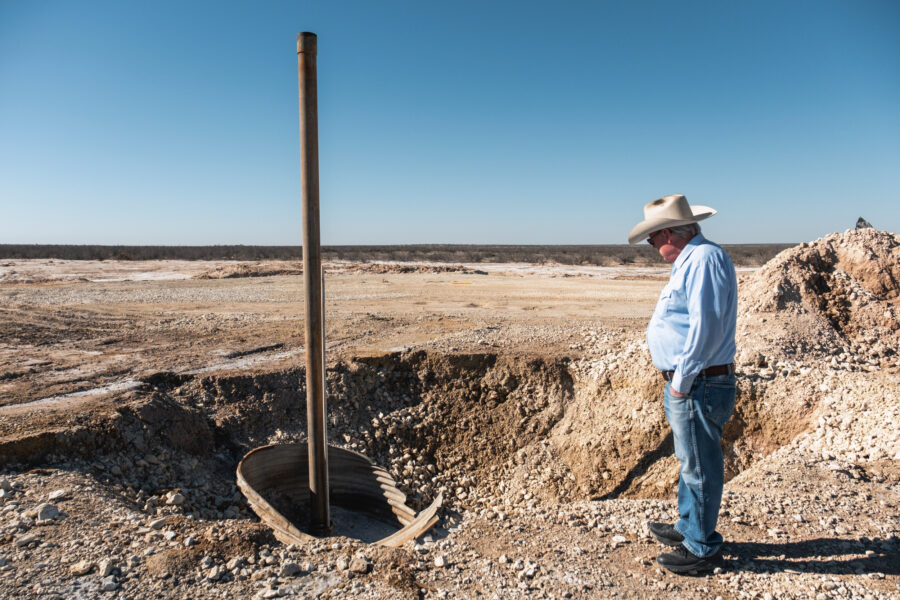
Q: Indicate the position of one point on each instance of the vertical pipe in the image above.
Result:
(320, 519)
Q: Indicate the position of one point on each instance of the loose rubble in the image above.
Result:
(550, 467)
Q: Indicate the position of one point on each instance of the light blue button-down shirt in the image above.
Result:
(693, 325)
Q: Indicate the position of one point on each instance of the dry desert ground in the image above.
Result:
(523, 394)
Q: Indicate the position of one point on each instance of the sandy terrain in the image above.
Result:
(523, 393)
(76, 326)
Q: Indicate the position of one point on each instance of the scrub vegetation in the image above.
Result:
(600, 255)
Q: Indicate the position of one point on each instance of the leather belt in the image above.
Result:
(714, 370)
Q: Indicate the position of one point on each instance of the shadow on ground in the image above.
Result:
(821, 555)
(665, 448)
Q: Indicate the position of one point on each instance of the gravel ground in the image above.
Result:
(542, 428)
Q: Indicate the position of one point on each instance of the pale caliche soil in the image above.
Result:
(523, 393)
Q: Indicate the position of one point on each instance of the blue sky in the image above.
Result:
(466, 122)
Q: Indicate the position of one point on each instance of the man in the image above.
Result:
(691, 340)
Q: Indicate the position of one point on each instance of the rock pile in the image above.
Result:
(836, 298)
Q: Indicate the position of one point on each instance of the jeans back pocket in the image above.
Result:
(719, 396)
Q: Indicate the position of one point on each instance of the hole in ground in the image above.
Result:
(489, 431)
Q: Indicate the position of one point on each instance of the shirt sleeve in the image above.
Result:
(707, 296)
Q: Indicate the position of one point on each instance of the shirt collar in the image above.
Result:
(685, 252)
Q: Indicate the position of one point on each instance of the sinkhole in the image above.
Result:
(481, 431)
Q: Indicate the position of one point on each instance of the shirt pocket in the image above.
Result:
(665, 300)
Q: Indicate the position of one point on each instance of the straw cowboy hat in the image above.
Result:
(669, 211)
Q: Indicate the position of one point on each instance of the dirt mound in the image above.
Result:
(389, 268)
(282, 267)
(836, 295)
(254, 269)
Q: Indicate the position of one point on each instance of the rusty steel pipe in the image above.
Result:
(319, 517)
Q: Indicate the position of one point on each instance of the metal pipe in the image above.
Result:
(320, 518)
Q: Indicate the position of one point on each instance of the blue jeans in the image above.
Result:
(697, 421)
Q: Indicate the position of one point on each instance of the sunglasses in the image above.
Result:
(652, 235)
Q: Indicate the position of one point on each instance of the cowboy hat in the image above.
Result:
(669, 211)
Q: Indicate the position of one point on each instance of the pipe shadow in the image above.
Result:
(821, 555)
(665, 448)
